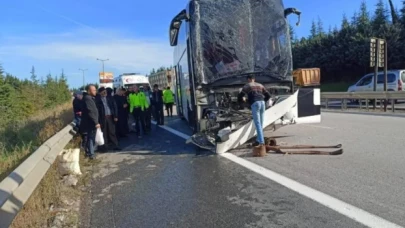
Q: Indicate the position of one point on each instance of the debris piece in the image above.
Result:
(69, 162)
(70, 180)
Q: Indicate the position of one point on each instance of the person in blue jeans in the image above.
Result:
(257, 96)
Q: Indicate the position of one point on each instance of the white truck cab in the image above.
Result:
(127, 80)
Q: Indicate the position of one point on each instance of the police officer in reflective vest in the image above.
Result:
(137, 106)
(168, 99)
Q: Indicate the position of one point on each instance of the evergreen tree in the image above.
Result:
(34, 76)
(380, 18)
(292, 33)
(343, 54)
(345, 22)
(313, 31)
(319, 28)
(362, 21)
(21, 98)
(402, 14)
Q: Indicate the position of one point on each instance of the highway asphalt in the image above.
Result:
(369, 175)
(160, 181)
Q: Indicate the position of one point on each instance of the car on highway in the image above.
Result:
(395, 82)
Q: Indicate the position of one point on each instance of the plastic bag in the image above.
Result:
(69, 162)
(99, 137)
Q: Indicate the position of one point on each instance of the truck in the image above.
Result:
(127, 80)
(106, 79)
(217, 44)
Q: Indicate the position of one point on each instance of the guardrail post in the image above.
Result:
(377, 96)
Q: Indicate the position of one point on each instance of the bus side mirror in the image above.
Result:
(289, 11)
(175, 27)
(174, 33)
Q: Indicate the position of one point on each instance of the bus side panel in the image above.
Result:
(177, 89)
(182, 73)
(184, 87)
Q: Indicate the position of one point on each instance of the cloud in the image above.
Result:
(124, 51)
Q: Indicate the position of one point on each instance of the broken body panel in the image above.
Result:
(220, 42)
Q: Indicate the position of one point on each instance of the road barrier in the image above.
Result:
(16, 189)
(382, 96)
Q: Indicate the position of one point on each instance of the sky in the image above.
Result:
(133, 34)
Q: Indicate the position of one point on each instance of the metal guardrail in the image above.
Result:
(16, 189)
(366, 96)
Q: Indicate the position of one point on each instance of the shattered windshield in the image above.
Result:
(235, 37)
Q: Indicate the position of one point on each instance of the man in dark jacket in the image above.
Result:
(89, 121)
(108, 116)
(257, 96)
(122, 105)
(157, 102)
(109, 91)
(78, 108)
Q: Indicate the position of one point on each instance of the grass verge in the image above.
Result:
(52, 200)
(19, 139)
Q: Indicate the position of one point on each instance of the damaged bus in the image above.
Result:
(217, 44)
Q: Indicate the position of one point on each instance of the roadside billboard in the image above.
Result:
(106, 77)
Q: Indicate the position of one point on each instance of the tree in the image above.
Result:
(34, 76)
(380, 16)
(344, 54)
(402, 10)
(313, 31)
(362, 21)
(292, 32)
(345, 22)
(319, 28)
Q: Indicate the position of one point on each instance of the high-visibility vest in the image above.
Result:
(168, 96)
(137, 100)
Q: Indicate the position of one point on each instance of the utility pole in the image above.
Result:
(83, 70)
(102, 60)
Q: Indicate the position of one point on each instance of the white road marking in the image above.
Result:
(337, 205)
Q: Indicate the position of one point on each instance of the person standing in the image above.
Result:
(78, 105)
(148, 110)
(89, 121)
(122, 105)
(138, 104)
(124, 94)
(168, 100)
(108, 116)
(131, 121)
(257, 96)
(157, 102)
